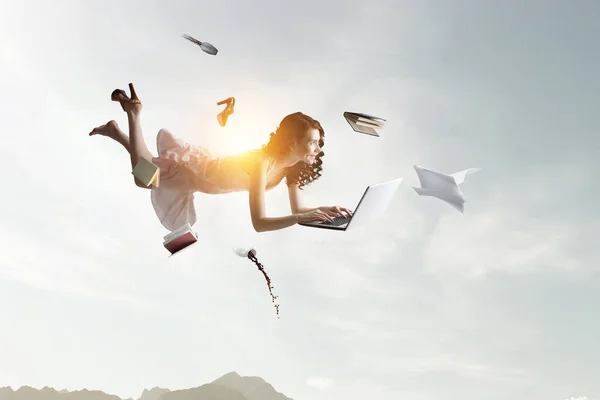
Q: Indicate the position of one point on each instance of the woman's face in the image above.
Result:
(308, 148)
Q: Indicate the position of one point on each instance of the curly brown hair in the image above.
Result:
(291, 129)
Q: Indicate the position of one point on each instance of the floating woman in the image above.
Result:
(293, 152)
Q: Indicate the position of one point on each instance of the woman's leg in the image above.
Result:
(133, 108)
(111, 130)
(137, 144)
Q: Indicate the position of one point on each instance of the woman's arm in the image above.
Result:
(296, 202)
(298, 208)
(260, 222)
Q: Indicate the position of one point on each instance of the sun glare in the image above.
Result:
(252, 133)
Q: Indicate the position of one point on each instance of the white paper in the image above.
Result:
(443, 186)
(459, 177)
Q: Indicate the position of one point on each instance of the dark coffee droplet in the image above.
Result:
(252, 257)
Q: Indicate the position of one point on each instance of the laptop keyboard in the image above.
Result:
(337, 221)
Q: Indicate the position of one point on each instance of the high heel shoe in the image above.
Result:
(224, 115)
(121, 97)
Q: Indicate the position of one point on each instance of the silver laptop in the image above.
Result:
(372, 205)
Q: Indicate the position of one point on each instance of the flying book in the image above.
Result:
(146, 172)
(364, 123)
(365, 118)
(179, 239)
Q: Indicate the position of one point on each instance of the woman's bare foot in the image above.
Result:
(110, 129)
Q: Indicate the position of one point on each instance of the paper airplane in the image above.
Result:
(205, 46)
(444, 187)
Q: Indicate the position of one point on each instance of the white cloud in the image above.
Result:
(502, 233)
(320, 383)
(439, 362)
(499, 241)
(579, 398)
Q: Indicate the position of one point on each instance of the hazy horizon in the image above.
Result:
(428, 304)
(246, 385)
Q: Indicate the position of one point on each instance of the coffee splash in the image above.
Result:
(252, 257)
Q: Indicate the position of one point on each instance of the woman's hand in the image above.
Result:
(336, 211)
(313, 216)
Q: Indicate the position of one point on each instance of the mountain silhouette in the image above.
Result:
(205, 392)
(230, 386)
(47, 393)
(252, 387)
(153, 394)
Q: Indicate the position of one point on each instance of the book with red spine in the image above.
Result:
(180, 239)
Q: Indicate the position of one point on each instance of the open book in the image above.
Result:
(180, 238)
(147, 172)
(364, 123)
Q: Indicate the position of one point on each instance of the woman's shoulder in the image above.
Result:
(256, 159)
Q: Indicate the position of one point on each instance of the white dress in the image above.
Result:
(186, 169)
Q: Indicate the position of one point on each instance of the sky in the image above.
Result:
(425, 304)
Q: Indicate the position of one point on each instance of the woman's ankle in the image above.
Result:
(135, 114)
